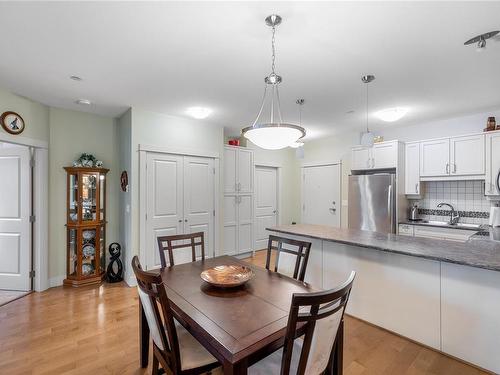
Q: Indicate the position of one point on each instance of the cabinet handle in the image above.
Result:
(180, 220)
(416, 187)
(447, 168)
(454, 168)
(185, 220)
(239, 186)
(368, 163)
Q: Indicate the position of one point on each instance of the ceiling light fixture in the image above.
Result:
(298, 144)
(392, 114)
(481, 40)
(83, 102)
(199, 112)
(367, 137)
(275, 134)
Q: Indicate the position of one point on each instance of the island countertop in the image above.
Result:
(480, 254)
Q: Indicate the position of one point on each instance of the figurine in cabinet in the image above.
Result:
(86, 225)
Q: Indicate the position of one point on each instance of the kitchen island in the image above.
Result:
(443, 294)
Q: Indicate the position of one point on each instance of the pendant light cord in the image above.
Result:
(367, 130)
(273, 48)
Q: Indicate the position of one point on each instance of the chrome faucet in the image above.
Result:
(454, 216)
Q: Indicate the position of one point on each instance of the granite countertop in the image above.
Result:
(480, 254)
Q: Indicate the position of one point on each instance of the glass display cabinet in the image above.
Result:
(86, 225)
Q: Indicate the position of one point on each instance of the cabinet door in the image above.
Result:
(412, 168)
(435, 158)
(492, 186)
(245, 223)
(467, 155)
(384, 155)
(245, 171)
(405, 230)
(230, 225)
(230, 169)
(360, 158)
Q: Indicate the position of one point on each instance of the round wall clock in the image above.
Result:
(12, 122)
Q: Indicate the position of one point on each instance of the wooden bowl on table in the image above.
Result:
(227, 276)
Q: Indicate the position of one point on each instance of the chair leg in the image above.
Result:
(156, 365)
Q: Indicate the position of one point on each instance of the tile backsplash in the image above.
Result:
(465, 196)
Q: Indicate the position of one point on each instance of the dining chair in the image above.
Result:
(321, 315)
(165, 244)
(173, 346)
(300, 249)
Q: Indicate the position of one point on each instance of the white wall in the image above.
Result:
(71, 134)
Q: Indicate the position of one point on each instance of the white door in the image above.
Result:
(321, 195)
(230, 183)
(412, 168)
(245, 223)
(245, 171)
(165, 198)
(199, 199)
(492, 185)
(467, 155)
(384, 155)
(15, 210)
(435, 158)
(230, 225)
(360, 158)
(266, 204)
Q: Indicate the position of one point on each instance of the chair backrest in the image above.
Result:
(178, 241)
(159, 316)
(301, 252)
(322, 313)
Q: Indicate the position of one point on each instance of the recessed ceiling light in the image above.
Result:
(297, 144)
(83, 102)
(76, 78)
(392, 114)
(198, 112)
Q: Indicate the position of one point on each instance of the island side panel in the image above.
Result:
(471, 314)
(397, 292)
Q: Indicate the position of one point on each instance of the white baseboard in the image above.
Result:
(56, 281)
(130, 280)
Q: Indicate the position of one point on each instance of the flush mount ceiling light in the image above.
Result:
(275, 134)
(83, 102)
(198, 112)
(392, 114)
(367, 137)
(481, 40)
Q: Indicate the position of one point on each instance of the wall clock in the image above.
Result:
(12, 122)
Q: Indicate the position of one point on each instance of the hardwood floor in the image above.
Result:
(94, 330)
(7, 296)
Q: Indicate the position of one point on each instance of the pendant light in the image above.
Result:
(275, 134)
(299, 144)
(367, 137)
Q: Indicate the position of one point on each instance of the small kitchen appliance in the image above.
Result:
(414, 213)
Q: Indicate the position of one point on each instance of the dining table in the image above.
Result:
(238, 326)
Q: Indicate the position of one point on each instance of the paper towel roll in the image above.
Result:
(495, 217)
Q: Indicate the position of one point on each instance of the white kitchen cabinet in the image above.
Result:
(467, 155)
(238, 170)
(238, 224)
(405, 230)
(435, 158)
(492, 184)
(412, 168)
(450, 234)
(381, 156)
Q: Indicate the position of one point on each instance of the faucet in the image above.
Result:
(454, 216)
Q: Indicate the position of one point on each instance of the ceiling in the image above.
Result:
(165, 57)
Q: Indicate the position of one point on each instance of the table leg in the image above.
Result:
(338, 356)
(240, 368)
(143, 336)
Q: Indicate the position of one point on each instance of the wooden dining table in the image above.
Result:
(238, 326)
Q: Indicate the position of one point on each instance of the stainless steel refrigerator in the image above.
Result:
(372, 203)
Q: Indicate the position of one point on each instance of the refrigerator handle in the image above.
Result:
(389, 207)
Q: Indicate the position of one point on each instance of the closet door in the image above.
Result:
(245, 171)
(165, 201)
(199, 199)
(230, 225)
(230, 157)
(245, 223)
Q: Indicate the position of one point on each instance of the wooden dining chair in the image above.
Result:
(173, 346)
(300, 249)
(170, 243)
(322, 314)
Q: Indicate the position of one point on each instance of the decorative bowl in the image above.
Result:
(88, 234)
(88, 251)
(87, 269)
(227, 276)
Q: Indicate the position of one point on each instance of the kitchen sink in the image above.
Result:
(446, 224)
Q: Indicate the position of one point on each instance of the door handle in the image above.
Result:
(333, 209)
(180, 220)
(454, 168)
(416, 187)
(239, 186)
(275, 212)
(185, 220)
(447, 168)
(498, 182)
(373, 162)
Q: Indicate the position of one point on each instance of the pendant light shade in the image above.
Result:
(275, 134)
(367, 137)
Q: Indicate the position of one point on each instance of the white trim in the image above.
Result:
(56, 281)
(218, 225)
(142, 206)
(131, 281)
(178, 151)
(40, 185)
(269, 165)
(321, 163)
(24, 141)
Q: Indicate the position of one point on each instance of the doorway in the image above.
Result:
(266, 204)
(15, 224)
(321, 194)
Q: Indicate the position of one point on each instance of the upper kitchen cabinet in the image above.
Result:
(238, 170)
(467, 155)
(412, 168)
(435, 157)
(381, 156)
(456, 156)
(492, 184)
